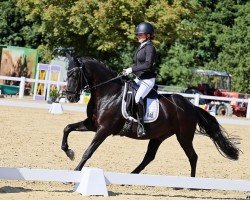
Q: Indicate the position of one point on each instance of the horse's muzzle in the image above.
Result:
(69, 97)
(73, 98)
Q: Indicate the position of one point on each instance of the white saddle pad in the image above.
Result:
(152, 109)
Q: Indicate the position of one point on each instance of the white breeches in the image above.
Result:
(145, 85)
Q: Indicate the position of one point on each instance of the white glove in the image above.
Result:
(127, 71)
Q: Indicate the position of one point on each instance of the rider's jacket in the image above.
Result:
(144, 61)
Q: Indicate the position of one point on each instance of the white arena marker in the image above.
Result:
(39, 174)
(176, 181)
(56, 108)
(92, 183)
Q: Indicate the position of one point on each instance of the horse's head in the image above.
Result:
(75, 80)
(88, 73)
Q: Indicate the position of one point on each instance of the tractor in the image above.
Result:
(217, 83)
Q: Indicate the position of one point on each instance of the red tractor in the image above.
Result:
(216, 83)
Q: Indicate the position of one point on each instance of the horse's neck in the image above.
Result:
(100, 80)
(105, 96)
(107, 91)
(103, 89)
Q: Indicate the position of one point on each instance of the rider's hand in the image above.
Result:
(127, 71)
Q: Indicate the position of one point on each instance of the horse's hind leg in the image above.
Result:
(85, 125)
(187, 145)
(153, 146)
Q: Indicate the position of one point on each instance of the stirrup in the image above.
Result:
(126, 128)
(141, 130)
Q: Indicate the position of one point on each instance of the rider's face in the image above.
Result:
(141, 37)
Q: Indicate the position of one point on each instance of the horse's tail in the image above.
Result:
(209, 126)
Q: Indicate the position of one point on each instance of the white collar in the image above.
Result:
(142, 44)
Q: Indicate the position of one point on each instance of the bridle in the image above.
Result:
(82, 77)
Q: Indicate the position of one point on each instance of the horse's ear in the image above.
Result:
(77, 61)
(69, 57)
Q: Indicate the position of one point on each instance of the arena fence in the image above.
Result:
(94, 181)
(82, 108)
(196, 97)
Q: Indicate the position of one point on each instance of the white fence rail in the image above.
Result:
(82, 108)
(30, 80)
(93, 181)
(196, 97)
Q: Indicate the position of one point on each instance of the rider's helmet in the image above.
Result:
(145, 27)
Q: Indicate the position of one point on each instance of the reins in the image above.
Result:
(103, 83)
(88, 88)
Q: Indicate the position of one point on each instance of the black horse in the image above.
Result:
(176, 116)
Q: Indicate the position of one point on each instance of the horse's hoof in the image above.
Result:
(70, 153)
(68, 183)
(177, 188)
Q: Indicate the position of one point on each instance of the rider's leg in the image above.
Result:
(145, 86)
(140, 115)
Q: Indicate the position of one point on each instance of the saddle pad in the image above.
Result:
(152, 110)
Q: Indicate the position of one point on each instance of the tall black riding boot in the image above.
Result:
(140, 115)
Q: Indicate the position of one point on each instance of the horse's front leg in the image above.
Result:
(85, 125)
(100, 136)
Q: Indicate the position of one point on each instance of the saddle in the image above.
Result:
(150, 101)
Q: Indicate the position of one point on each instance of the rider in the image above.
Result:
(144, 69)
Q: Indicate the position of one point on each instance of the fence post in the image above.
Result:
(196, 99)
(21, 87)
(248, 109)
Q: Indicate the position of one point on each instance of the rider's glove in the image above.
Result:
(127, 71)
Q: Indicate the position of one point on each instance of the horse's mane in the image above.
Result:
(99, 62)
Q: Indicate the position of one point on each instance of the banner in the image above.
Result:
(17, 62)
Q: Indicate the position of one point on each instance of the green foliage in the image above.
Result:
(235, 54)
(15, 30)
(54, 94)
(217, 37)
(175, 68)
(105, 28)
(189, 34)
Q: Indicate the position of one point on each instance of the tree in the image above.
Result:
(175, 67)
(235, 54)
(216, 37)
(189, 34)
(105, 28)
(15, 30)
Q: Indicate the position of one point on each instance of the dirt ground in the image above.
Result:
(32, 138)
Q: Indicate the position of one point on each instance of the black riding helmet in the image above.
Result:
(145, 27)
